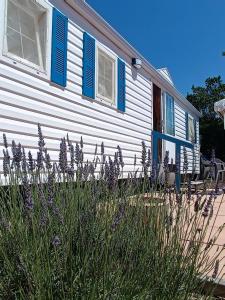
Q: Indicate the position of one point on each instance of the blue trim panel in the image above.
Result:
(121, 90)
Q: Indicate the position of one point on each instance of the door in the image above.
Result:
(157, 116)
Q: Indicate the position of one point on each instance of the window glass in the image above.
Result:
(26, 31)
(191, 129)
(169, 126)
(13, 16)
(30, 50)
(106, 77)
(14, 42)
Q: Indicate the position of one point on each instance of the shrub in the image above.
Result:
(77, 230)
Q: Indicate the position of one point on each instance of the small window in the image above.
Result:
(191, 129)
(169, 115)
(26, 32)
(106, 65)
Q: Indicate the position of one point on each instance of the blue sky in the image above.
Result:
(187, 36)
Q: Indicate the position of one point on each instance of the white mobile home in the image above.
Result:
(63, 66)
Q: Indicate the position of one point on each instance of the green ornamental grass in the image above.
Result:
(77, 230)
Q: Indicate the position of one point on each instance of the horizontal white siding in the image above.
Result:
(26, 100)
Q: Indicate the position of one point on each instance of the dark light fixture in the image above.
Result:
(137, 63)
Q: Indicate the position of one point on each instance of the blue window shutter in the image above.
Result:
(170, 124)
(186, 125)
(59, 48)
(88, 66)
(121, 87)
(195, 127)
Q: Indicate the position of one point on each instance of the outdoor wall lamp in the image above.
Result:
(137, 63)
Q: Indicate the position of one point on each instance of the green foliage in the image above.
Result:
(211, 126)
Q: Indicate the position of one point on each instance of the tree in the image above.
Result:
(211, 125)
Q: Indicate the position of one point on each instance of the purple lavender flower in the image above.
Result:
(77, 154)
(44, 206)
(56, 241)
(86, 171)
(154, 172)
(17, 154)
(189, 190)
(197, 202)
(81, 156)
(111, 174)
(102, 171)
(57, 213)
(118, 217)
(81, 143)
(68, 140)
(116, 165)
(166, 167)
(50, 186)
(5, 141)
(185, 167)
(106, 171)
(28, 200)
(63, 156)
(149, 159)
(6, 162)
(40, 160)
(96, 149)
(120, 156)
(92, 170)
(216, 269)
(102, 148)
(31, 163)
(41, 142)
(143, 154)
(48, 161)
(208, 206)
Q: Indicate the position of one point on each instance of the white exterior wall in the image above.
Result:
(27, 99)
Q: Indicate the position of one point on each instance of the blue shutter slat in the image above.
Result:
(59, 48)
(195, 127)
(88, 66)
(121, 86)
(187, 128)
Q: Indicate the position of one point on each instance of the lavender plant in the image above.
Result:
(77, 230)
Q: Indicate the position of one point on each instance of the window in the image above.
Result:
(191, 129)
(26, 32)
(169, 115)
(106, 81)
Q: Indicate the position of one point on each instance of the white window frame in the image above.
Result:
(113, 57)
(189, 138)
(17, 61)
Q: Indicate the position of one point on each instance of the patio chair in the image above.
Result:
(219, 170)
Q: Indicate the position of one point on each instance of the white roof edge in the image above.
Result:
(166, 74)
(86, 11)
